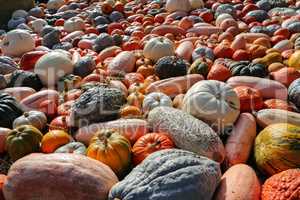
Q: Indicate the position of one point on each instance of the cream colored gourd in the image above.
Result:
(159, 47)
(38, 25)
(213, 102)
(17, 42)
(156, 99)
(35, 118)
(195, 4)
(55, 4)
(178, 5)
(74, 24)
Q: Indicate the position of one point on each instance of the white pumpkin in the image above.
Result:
(214, 102)
(55, 4)
(196, 4)
(35, 118)
(38, 25)
(74, 24)
(222, 17)
(52, 66)
(156, 99)
(178, 5)
(158, 47)
(17, 42)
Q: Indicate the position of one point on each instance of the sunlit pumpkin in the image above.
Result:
(54, 139)
(250, 98)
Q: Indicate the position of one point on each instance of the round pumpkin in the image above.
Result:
(294, 60)
(20, 78)
(178, 5)
(72, 147)
(35, 118)
(53, 140)
(246, 68)
(171, 66)
(74, 24)
(250, 98)
(23, 140)
(213, 102)
(276, 148)
(294, 92)
(150, 143)
(199, 67)
(158, 47)
(111, 148)
(3, 134)
(156, 99)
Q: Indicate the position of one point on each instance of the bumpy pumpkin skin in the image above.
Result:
(284, 185)
(277, 148)
(170, 174)
(245, 68)
(58, 177)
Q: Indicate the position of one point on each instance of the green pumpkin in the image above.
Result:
(199, 67)
(20, 78)
(277, 148)
(246, 68)
(171, 66)
(22, 141)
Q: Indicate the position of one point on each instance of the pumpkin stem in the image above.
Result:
(26, 114)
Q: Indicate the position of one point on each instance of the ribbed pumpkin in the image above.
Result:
(72, 147)
(277, 148)
(170, 66)
(284, 185)
(25, 79)
(23, 140)
(294, 92)
(246, 68)
(54, 139)
(294, 60)
(111, 148)
(250, 98)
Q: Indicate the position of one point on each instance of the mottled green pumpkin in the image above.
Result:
(246, 68)
(170, 66)
(171, 174)
(20, 78)
(277, 148)
(199, 67)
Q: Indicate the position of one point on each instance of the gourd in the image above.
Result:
(250, 99)
(158, 47)
(55, 175)
(19, 93)
(199, 67)
(123, 63)
(10, 109)
(23, 140)
(196, 4)
(187, 132)
(52, 66)
(3, 134)
(276, 148)
(282, 185)
(53, 140)
(97, 104)
(74, 24)
(7, 65)
(55, 4)
(194, 177)
(294, 60)
(170, 66)
(156, 99)
(178, 5)
(246, 68)
(35, 118)
(73, 147)
(277, 104)
(17, 42)
(294, 92)
(285, 75)
(25, 79)
(149, 144)
(111, 148)
(213, 102)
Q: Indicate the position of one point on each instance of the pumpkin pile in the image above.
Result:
(150, 99)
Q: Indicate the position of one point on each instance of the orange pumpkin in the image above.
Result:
(130, 111)
(54, 139)
(134, 77)
(146, 70)
(285, 75)
(60, 123)
(136, 99)
(219, 72)
(277, 104)
(250, 98)
(241, 54)
(223, 51)
(150, 143)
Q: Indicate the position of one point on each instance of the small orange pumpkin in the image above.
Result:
(223, 51)
(54, 139)
(130, 111)
(219, 72)
(146, 70)
(277, 104)
(250, 98)
(136, 99)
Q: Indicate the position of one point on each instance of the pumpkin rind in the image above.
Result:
(170, 174)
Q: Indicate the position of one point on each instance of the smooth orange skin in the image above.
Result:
(54, 139)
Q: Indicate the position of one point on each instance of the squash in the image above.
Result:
(10, 109)
(239, 144)
(55, 4)
(219, 72)
(17, 42)
(34, 118)
(269, 89)
(158, 47)
(55, 175)
(128, 111)
(19, 93)
(111, 148)
(194, 177)
(199, 67)
(277, 104)
(135, 99)
(53, 140)
(282, 185)
(20, 78)
(61, 123)
(196, 4)
(73, 147)
(246, 68)
(156, 99)
(239, 182)
(3, 134)
(124, 62)
(223, 50)
(294, 60)
(7, 65)
(178, 5)
(285, 75)
(294, 92)
(204, 53)
(52, 66)
(205, 30)
(149, 144)
(164, 29)
(174, 86)
(187, 132)
(132, 129)
(185, 50)
(268, 117)
(97, 104)
(74, 24)
(250, 99)
(23, 140)
(213, 102)
(270, 58)
(276, 148)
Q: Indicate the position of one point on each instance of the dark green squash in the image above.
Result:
(171, 174)
(7, 64)
(10, 109)
(246, 68)
(170, 66)
(199, 67)
(20, 78)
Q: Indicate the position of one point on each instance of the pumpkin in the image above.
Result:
(135, 99)
(74, 24)
(199, 67)
(35, 118)
(219, 72)
(276, 149)
(130, 112)
(183, 129)
(149, 144)
(178, 5)
(111, 148)
(55, 4)
(196, 4)
(213, 102)
(294, 60)
(19, 93)
(285, 75)
(282, 185)
(277, 104)
(250, 99)
(246, 68)
(239, 182)
(29, 59)
(3, 134)
(10, 109)
(7, 65)
(223, 50)
(52, 66)
(194, 177)
(158, 47)
(61, 123)
(124, 62)
(294, 92)
(53, 140)
(73, 147)
(20, 78)
(84, 66)
(17, 42)
(156, 99)
(97, 104)
(55, 175)
(170, 66)
(23, 140)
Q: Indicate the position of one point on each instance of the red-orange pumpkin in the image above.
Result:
(219, 72)
(250, 98)
(223, 51)
(285, 75)
(277, 104)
